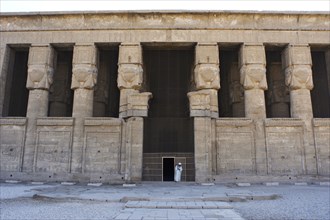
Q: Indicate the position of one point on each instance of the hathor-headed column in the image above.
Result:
(297, 64)
(252, 63)
(133, 106)
(84, 76)
(133, 103)
(40, 78)
(204, 106)
(204, 101)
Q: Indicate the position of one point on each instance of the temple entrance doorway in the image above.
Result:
(168, 130)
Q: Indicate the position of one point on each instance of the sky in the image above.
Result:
(75, 5)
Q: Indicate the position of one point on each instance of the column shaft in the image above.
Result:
(40, 77)
(84, 77)
(297, 63)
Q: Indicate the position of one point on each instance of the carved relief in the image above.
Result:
(279, 92)
(296, 55)
(207, 76)
(204, 100)
(207, 53)
(130, 76)
(139, 101)
(134, 103)
(40, 67)
(83, 76)
(299, 77)
(39, 77)
(207, 72)
(236, 92)
(253, 76)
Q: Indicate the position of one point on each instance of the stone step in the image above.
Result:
(177, 205)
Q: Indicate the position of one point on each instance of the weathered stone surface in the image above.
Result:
(40, 67)
(130, 71)
(133, 103)
(252, 64)
(84, 66)
(108, 149)
(102, 146)
(12, 132)
(322, 144)
(235, 147)
(285, 149)
(53, 145)
(134, 149)
(203, 103)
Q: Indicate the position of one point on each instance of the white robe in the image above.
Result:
(177, 173)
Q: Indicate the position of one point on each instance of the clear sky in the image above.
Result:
(75, 5)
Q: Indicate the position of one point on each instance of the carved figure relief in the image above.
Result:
(39, 77)
(207, 76)
(253, 76)
(279, 92)
(299, 77)
(130, 76)
(83, 76)
(236, 92)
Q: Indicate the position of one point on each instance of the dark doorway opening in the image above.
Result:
(168, 169)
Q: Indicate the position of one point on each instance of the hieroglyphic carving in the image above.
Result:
(40, 67)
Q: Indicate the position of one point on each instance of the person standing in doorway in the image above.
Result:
(178, 172)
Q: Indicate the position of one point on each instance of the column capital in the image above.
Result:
(207, 71)
(133, 103)
(84, 66)
(203, 103)
(297, 63)
(252, 63)
(40, 67)
(130, 70)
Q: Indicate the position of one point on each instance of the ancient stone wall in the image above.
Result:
(65, 136)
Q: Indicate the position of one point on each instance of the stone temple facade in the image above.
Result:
(123, 96)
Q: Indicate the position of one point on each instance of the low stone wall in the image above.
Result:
(322, 145)
(101, 152)
(284, 147)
